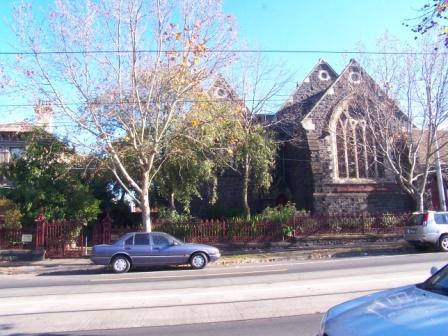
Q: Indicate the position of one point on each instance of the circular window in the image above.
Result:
(323, 75)
(221, 93)
(355, 77)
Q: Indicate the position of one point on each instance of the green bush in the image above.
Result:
(389, 221)
(173, 216)
(287, 231)
(282, 213)
(346, 224)
(13, 216)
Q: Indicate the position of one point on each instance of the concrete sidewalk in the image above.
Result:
(322, 248)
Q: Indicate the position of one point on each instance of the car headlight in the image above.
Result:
(322, 325)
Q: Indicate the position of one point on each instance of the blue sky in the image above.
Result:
(334, 25)
(321, 25)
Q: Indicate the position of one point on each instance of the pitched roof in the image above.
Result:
(311, 89)
(329, 90)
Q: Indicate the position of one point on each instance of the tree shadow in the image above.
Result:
(378, 253)
(108, 270)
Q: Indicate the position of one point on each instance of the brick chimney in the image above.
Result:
(44, 115)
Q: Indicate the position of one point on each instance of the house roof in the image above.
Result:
(19, 127)
(311, 89)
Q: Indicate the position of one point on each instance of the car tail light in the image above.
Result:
(425, 218)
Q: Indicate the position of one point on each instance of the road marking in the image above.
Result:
(190, 275)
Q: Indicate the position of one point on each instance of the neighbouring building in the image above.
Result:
(12, 135)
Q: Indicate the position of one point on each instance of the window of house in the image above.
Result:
(16, 152)
(4, 155)
(354, 77)
(357, 156)
(323, 75)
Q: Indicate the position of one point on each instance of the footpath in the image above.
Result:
(234, 254)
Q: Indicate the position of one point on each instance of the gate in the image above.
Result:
(102, 231)
(60, 238)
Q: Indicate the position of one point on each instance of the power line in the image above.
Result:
(268, 51)
(188, 101)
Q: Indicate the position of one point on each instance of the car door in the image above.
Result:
(164, 251)
(139, 248)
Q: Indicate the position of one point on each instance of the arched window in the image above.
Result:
(356, 153)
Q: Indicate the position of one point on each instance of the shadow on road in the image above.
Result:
(382, 252)
(108, 270)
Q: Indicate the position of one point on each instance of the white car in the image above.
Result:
(417, 310)
(428, 228)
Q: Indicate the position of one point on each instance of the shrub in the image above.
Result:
(282, 213)
(13, 216)
(389, 221)
(173, 216)
(287, 231)
(347, 224)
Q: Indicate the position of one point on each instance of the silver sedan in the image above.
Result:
(151, 249)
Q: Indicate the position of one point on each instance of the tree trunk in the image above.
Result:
(172, 202)
(146, 209)
(246, 186)
(419, 202)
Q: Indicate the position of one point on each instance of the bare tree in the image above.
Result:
(127, 73)
(250, 92)
(405, 114)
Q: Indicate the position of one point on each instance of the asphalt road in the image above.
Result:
(223, 299)
(304, 325)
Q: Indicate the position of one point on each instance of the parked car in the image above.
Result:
(417, 310)
(149, 249)
(428, 228)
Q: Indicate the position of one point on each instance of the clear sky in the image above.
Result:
(337, 25)
(332, 25)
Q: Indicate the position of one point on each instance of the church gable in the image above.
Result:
(347, 175)
(352, 83)
(310, 90)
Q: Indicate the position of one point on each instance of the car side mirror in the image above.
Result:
(434, 270)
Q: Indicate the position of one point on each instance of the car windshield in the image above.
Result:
(438, 283)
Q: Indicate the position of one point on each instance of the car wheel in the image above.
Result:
(198, 260)
(443, 243)
(121, 264)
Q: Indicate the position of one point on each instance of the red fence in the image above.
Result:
(60, 238)
(10, 239)
(343, 224)
(222, 231)
(65, 238)
(302, 225)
